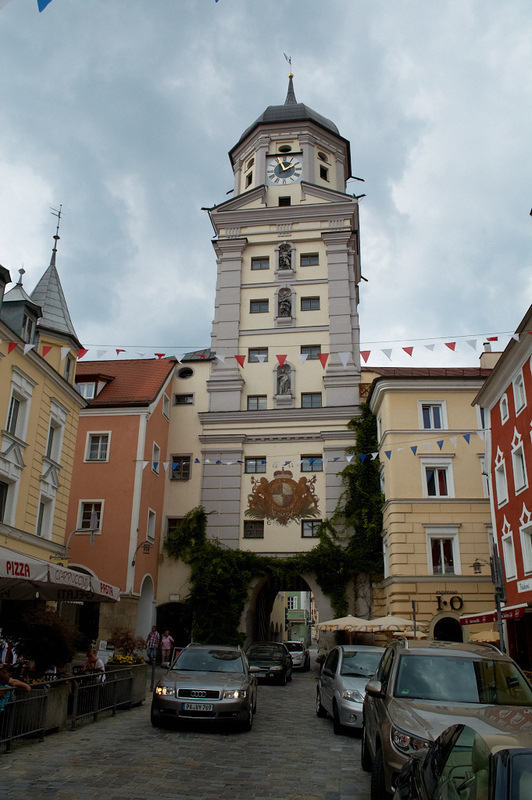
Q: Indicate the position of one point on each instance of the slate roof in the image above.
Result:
(430, 372)
(130, 382)
(48, 294)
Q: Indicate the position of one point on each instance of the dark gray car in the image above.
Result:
(212, 683)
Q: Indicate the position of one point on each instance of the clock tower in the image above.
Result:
(285, 380)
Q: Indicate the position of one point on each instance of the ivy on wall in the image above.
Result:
(349, 543)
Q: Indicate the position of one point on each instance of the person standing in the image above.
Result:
(95, 666)
(152, 643)
(167, 643)
(6, 684)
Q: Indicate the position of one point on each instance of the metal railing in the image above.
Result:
(26, 712)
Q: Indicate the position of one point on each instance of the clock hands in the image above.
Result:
(281, 162)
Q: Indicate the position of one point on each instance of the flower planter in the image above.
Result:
(57, 707)
(139, 673)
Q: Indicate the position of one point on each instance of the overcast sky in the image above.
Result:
(123, 111)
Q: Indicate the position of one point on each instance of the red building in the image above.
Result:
(506, 398)
(118, 485)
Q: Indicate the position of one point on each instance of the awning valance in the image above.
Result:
(21, 577)
(510, 612)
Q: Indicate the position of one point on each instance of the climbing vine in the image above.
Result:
(349, 543)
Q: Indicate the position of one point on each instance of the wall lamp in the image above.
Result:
(145, 549)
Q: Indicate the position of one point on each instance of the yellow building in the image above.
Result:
(436, 512)
(39, 410)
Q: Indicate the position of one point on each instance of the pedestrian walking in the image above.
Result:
(167, 643)
(152, 643)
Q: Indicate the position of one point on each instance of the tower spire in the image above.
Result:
(290, 95)
(57, 214)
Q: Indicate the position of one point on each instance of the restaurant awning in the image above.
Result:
(510, 612)
(26, 577)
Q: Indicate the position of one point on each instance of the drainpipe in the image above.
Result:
(135, 505)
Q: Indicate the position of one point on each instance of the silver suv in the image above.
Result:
(420, 689)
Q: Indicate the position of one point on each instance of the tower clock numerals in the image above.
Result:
(282, 170)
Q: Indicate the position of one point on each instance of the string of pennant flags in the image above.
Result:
(242, 360)
(424, 447)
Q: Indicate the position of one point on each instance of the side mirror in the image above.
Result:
(254, 669)
(374, 689)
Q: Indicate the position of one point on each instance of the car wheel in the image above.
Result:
(155, 718)
(378, 786)
(365, 757)
(248, 724)
(289, 676)
(337, 725)
(320, 711)
(307, 665)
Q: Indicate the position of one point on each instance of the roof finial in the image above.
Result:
(57, 214)
(21, 272)
(290, 95)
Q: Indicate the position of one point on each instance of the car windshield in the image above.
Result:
(462, 680)
(361, 664)
(521, 775)
(265, 654)
(295, 647)
(201, 660)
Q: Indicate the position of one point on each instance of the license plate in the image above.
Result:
(197, 707)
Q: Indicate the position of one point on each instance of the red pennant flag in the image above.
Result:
(11, 346)
(241, 360)
(408, 350)
(118, 351)
(281, 360)
(323, 358)
(450, 345)
(365, 355)
(82, 352)
(46, 349)
(159, 355)
(492, 339)
(200, 355)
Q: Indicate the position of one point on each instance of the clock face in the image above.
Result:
(282, 170)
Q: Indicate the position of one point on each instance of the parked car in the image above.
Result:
(270, 661)
(300, 655)
(420, 689)
(490, 761)
(212, 683)
(342, 683)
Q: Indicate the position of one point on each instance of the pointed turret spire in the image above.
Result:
(290, 95)
(49, 295)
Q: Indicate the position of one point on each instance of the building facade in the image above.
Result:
(506, 400)
(436, 513)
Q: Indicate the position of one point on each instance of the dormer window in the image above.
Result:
(28, 329)
(87, 390)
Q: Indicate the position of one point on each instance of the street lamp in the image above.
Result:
(145, 549)
(497, 576)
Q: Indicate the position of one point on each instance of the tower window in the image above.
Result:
(324, 173)
(249, 179)
(285, 201)
(258, 306)
(285, 148)
(250, 163)
(322, 156)
(262, 262)
(310, 260)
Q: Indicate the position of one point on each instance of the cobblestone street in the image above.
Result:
(290, 754)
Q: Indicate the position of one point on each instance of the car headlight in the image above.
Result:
(275, 669)
(406, 743)
(234, 694)
(352, 694)
(165, 690)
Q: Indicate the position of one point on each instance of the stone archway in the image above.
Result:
(146, 608)
(448, 629)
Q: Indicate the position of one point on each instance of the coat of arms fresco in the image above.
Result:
(283, 499)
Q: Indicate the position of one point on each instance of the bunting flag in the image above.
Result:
(82, 352)
(281, 360)
(241, 360)
(408, 350)
(46, 349)
(261, 358)
(64, 352)
(119, 350)
(219, 357)
(11, 346)
(302, 357)
(27, 348)
(388, 454)
(467, 437)
(323, 359)
(450, 345)
(42, 4)
(365, 354)
(160, 355)
(414, 449)
(388, 354)
(101, 353)
(429, 347)
(344, 358)
(472, 343)
(440, 443)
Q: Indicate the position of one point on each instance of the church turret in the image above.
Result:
(20, 312)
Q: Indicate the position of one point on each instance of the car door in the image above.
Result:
(327, 679)
(375, 707)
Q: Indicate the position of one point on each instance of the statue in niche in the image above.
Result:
(285, 256)
(284, 305)
(283, 380)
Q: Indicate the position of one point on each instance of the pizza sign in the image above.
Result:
(283, 499)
